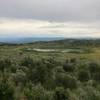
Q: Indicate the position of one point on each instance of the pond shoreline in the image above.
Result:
(57, 50)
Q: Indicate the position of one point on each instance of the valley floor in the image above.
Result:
(28, 72)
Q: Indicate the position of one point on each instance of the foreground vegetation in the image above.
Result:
(31, 75)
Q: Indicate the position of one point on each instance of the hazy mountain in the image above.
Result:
(28, 39)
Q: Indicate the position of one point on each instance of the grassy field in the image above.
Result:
(19, 51)
(28, 74)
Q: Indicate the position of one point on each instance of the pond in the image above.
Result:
(56, 50)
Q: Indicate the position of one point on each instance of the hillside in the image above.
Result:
(18, 40)
(68, 43)
(49, 73)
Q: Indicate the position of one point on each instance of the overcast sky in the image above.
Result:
(67, 18)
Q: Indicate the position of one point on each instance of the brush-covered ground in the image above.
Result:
(27, 74)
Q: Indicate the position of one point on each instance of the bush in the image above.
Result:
(5, 64)
(61, 94)
(40, 74)
(96, 76)
(94, 67)
(68, 67)
(73, 60)
(66, 81)
(20, 77)
(83, 75)
(37, 93)
(28, 62)
(88, 93)
(6, 91)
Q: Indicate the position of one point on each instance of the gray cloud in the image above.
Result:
(52, 10)
(19, 27)
(68, 18)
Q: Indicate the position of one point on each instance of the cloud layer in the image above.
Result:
(52, 10)
(19, 27)
(68, 18)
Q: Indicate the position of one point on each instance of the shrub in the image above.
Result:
(83, 75)
(5, 64)
(88, 93)
(96, 76)
(6, 91)
(20, 77)
(94, 67)
(73, 60)
(66, 81)
(37, 93)
(68, 67)
(28, 62)
(40, 74)
(61, 94)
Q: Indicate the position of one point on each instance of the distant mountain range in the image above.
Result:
(28, 39)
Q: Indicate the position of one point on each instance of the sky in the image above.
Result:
(50, 18)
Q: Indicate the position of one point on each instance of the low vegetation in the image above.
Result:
(31, 75)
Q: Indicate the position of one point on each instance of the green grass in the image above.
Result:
(19, 52)
(50, 73)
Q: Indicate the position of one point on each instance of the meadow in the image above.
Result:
(33, 72)
(58, 51)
